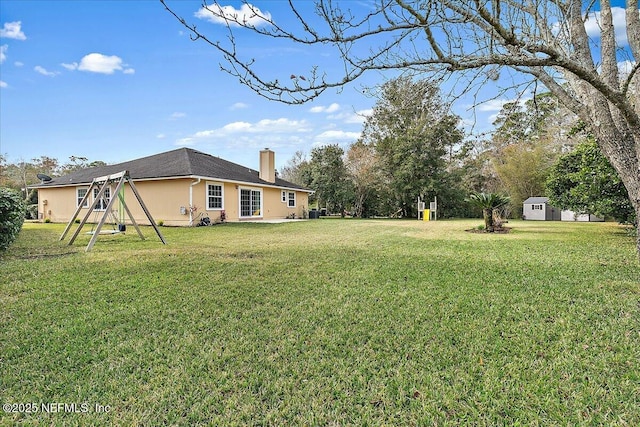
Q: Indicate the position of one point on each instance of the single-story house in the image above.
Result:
(180, 187)
(539, 209)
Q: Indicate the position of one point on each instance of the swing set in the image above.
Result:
(116, 217)
(101, 184)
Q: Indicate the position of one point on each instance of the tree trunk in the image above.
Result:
(488, 220)
(623, 151)
(638, 229)
(632, 183)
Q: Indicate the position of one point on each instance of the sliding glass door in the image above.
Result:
(250, 203)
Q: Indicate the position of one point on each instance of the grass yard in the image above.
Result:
(326, 322)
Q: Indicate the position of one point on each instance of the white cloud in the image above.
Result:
(177, 115)
(44, 72)
(262, 130)
(351, 117)
(235, 127)
(281, 125)
(185, 141)
(247, 14)
(337, 137)
(99, 63)
(12, 30)
(493, 105)
(324, 109)
(592, 25)
(3, 52)
(161, 136)
(3, 84)
(71, 67)
(18, 64)
(239, 106)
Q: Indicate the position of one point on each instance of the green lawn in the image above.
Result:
(326, 322)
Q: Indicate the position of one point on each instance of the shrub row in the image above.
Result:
(12, 210)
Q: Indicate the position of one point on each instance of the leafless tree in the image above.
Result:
(545, 40)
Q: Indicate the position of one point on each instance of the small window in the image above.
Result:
(214, 196)
(284, 196)
(292, 199)
(80, 193)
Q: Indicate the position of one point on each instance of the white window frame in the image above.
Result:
(206, 189)
(102, 206)
(290, 199)
(251, 190)
(79, 198)
(284, 196)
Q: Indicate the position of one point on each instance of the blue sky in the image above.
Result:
(117, 80)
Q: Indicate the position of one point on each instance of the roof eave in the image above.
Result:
(207, 178)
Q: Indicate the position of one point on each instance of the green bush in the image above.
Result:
(32, 211)
(12, 211)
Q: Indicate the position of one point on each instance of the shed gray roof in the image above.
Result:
(537, 200)
(183, 162)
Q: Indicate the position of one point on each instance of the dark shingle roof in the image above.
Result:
(183, 162)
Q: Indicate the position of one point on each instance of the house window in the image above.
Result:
(214, 196)
(284, 196)
(101, 205)
(292, 199)
(80, 193)
(250, 203)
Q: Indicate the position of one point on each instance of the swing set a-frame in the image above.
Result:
(101, 184)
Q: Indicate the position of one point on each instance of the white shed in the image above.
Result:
(572, 216)
(539, 209)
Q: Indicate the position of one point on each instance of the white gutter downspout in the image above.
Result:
(191, 200)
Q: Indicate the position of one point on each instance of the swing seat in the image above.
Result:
(104, 232)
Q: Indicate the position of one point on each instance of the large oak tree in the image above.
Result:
(545, 40)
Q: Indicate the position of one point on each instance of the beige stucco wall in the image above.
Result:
(272, 205)
(275, 208)
(165, 198)
(56, 204)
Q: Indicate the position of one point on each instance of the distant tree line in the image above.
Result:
(22, 174)
(412, 146)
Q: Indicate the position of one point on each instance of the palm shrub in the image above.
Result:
(488, 202)
(12, 211)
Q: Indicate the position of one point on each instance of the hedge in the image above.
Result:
(12, 210)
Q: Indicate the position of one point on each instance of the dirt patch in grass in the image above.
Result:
(497, 230)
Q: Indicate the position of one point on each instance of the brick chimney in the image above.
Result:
(268, 165)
